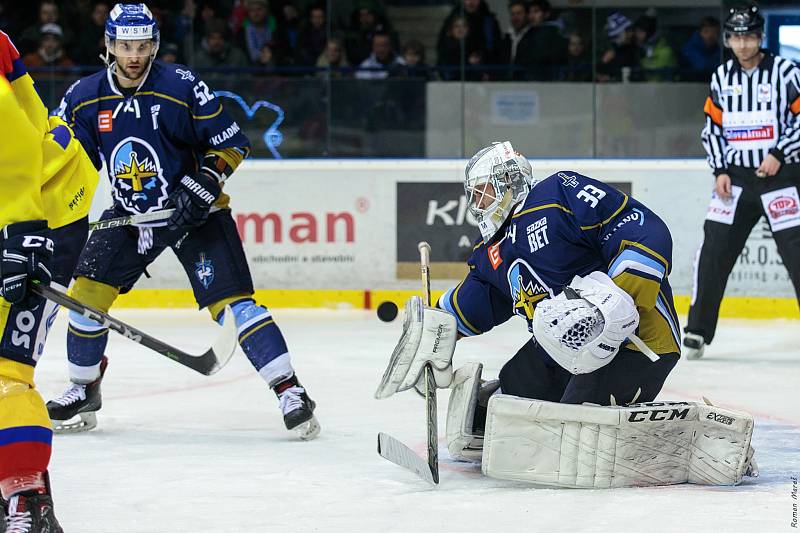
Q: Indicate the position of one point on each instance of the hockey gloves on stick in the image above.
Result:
(193, 198)
(429, 337)
(27, 251)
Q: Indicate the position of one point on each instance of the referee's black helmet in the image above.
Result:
(744, 19)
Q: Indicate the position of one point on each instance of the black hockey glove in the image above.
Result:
(27, 252)
(192, 199)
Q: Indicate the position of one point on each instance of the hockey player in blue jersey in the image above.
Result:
(166, 142)
(584, 265)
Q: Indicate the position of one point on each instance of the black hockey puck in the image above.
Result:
(387, 311)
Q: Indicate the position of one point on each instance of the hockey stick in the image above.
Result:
(392, 449)
(206, 363)
(130, 220)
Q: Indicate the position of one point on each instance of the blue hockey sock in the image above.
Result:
(262, 341)
(86, 343)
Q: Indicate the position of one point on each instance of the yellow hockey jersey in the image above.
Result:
(55, 180)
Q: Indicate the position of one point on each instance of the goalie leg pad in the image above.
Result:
(601, 447)
(462, 440)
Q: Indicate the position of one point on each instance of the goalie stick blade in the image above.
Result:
(206, 363)
(398, 453)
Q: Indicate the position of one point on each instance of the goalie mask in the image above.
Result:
(131, 34)
(497, 178)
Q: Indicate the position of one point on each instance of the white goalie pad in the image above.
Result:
(462, 441)
(429, 337)
(659, 443)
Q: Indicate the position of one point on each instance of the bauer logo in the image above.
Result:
(783, 206)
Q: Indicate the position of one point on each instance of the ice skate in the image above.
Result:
(30, 512)
(75, 410)
(297, 408)
(693, 346)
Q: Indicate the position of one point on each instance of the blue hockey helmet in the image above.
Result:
(131, 22)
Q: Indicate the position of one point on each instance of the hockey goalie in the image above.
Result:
(586, 267)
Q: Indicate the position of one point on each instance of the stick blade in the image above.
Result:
(398, 453)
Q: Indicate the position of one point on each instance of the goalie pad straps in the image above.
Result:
(429, 337)
(600, 447)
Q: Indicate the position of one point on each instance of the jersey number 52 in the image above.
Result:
(203, 93)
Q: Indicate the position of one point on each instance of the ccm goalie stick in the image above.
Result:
(131, 220)
(392, 449)
(206, 363)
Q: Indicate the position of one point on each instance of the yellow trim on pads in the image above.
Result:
(732, 307)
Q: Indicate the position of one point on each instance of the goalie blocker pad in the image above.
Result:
(429, 338)
(587, 446)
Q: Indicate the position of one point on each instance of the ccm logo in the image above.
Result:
(658, 414)
(104, 123)
(494, 255)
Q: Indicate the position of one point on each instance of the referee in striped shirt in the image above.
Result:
(752, 138)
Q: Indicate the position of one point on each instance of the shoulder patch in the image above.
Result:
(185, 74)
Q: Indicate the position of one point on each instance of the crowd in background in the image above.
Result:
(289, 38)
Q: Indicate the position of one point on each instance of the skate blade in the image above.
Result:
(84, 422)
(308, 430)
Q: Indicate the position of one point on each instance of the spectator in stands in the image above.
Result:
(701, 54)
(366, 21)
(517, 32)
(266, 60)
(382, 62)
(620, 57)
(579, 63)
(484, 31)
(414, 57)
(544, 51)
(50, 52)
(291, 30)
(455, 49)
(658, 61)
(312, 38)
(168, 52)
(91, 39)
(259, 28)
(216, 50)
(333, 58)
(49, 13)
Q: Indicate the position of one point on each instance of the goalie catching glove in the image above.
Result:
(583, 328)
(428, 338)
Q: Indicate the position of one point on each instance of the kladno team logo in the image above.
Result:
(527, 289)
(136, 176)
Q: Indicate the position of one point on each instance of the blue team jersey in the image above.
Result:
(149, 139)
(568, 225)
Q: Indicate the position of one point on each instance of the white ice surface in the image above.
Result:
(175, 451)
